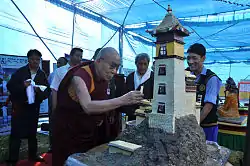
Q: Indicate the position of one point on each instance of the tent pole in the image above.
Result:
(73, 29)
(121, 48)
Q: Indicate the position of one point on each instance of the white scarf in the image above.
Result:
(140, 80)
(31, 92)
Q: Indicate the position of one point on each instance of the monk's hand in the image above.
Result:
(27, 83)
(133, 97)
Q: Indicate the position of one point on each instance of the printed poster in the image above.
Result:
(244, 90)
(8, 65)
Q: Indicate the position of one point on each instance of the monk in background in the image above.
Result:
(81, 113)
(230, 107)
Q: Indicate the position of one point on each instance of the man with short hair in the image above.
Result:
(208, 87)
(25, 115)
(81, 113)
(62, 61)
(96, 53)
(143, 76)
(75, 59)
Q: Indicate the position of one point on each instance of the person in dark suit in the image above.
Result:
(143, 76)
(25, 116)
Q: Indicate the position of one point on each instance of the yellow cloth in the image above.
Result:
(230, 107)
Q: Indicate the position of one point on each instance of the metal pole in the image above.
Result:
(73, 30)
(121, 48)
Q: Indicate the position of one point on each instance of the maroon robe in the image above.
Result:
(117, 86)
(74, 131)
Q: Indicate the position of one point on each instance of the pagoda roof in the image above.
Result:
(170, 24)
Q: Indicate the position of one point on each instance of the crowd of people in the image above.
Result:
(81, 111)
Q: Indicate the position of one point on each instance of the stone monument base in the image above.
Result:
(187, 147)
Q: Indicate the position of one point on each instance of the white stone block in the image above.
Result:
(197, 114)
(190, 105)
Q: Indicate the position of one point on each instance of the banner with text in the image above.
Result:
(8, 65)
(244, 90)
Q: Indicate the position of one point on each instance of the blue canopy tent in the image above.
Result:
(221, 25)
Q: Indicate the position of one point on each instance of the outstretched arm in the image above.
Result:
(98, 107)
(93, 107)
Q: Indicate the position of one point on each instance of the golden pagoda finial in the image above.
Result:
(169, 9)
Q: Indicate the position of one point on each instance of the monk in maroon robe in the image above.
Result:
(83, 105)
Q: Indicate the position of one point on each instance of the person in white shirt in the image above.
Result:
(75, 59)
(62, 61)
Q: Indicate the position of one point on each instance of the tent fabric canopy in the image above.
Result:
(222, 26)
(148, 10)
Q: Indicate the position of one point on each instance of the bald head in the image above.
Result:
(108, 53)
(107, 63)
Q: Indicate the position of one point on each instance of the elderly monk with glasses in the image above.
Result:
(83, 106)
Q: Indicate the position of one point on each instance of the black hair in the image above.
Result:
(65, 59)
(96, 53)
(142, 56)
(34, 52)
(197, 48)
(188, 69)
(72, 52)
(230, 81)
(231, 85)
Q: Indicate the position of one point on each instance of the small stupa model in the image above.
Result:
(169, 100)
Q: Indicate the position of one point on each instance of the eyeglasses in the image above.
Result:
(112, 65)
